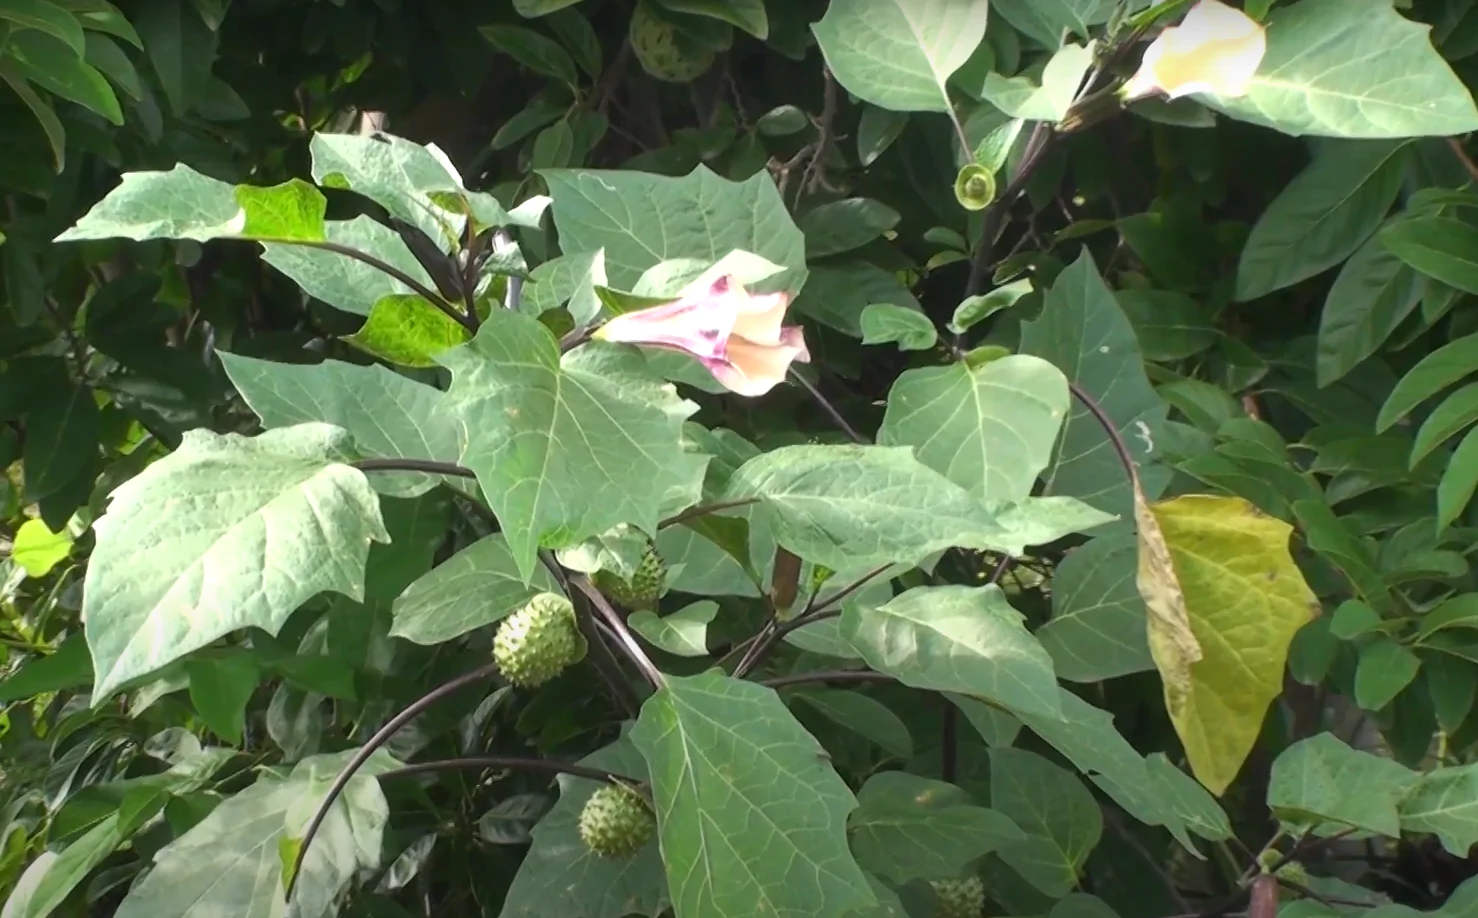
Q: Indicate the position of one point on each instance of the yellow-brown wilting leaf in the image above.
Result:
(1245, 599)
(1172, 641)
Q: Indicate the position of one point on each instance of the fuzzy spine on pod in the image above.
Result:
(961, 898)
(539, 641)
(664, 51)
(647, 584)
(616, 822)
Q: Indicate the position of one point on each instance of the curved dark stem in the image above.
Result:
(692, 513)
(815, 611)
(430, 466)
(1110, 428)
(1002, 566)
(830, 675)
(613, 620)
(431, 296)
(1038, 143)
(381, 737)
(575, 338)
(829, 408)
(601, 656)
(486, 762)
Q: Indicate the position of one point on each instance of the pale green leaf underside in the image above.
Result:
(898, 54)
(225, 533)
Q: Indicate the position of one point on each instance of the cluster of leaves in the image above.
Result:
(1111, 550)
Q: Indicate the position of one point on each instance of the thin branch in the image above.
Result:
(836, 598)
(693, 513)
(1037, 145)
(761, 644)
(431, 296)
(815, 175)
(601, 654)
(832, 675)
(430, 466)
(488, 762)
(1110, 428)
(1462, 157)
(613, 620)
(381, 737)
(828, 407)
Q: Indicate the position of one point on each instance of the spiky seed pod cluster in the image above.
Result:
(539, 641)
(645, 586)
(616, 822)
(962, 898)
(664, 51)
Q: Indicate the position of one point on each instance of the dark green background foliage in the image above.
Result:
(299, 401)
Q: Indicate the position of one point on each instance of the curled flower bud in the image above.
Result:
(737, 337)
(1216, 49)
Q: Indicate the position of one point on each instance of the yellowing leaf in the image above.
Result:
(1244, 598)
(1172, 641)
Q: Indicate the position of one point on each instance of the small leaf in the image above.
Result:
(408, 331)
(976, 309)
(841, 226)
(1443, 803)
(1371, 296)
(1457, 412)
(884, 323)
(1385, 669)
(1097, 630)
(37, 549)
(478, 586)
(1020, 97)
(736, 779)
(863, 715)
(908, 827)
(956, 639)
(684, 632)
(1061, 819)
(1433, 373)
(1459, 481)
(1442, 248)
(899, 54)
(540, 54)
(220, 689)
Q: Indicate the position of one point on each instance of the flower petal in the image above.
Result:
(1215, 49)
(754, 369)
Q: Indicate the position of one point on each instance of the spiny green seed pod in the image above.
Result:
(646, 585)
(616, 822)
(962, 898)
(665, 52)
(975, 187)
(537, 643)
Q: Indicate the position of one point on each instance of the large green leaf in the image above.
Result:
(1061, 819)
(1445, 803)
(956, 639)
(565, 449)
(1322, 780)
(48, 63)
(1372, 294)
(185, 204)
(1444, 248)
(899, 54)
(231, 862)
(846, 507)
(1152, 792)
(1436, 371)
(989, 429)
(343, 282)
(907, 827)
(1047, 20)
(45, 16)
(561, 877)
(1085, 334)
(1352, 68)
(737, 781)
(479, 585)
(1097, 630)
(642, 220)
(388, 415)
(1323, 215)
(227, 532)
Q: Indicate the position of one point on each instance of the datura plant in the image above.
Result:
(730, 458)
